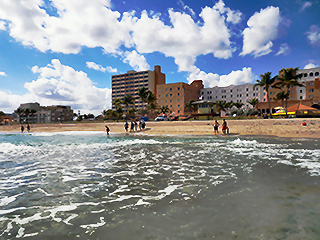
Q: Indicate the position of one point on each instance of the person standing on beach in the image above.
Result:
(132, 127)
(140, 125)
(216, 127)
(22, 128)
(224, 127)
(107, 130)
(28, 128)
(126, 126)
(136, 125)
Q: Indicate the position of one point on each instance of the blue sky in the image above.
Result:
(65, 51)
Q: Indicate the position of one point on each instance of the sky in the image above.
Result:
(64, 52)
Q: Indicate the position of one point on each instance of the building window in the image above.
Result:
(159, 90)
(231, 96)
(170, 89)
(166, 101)
(311, 74)
(166, 95)
(178, 111)
(300, 91)
(178, 106)
(170, 106)
(159, 101)
(170, 100)
(305, 75)
(316, 74)
(166, 89)
(247, 89)
(231, 90)
(178, 99)
(159, 96)
(300, 97)
(170, 95)
(178, 88)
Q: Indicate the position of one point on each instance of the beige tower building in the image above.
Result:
(129, 83)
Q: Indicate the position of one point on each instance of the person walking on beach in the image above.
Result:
(107, 130)
(22, 128)
(126, 126)
(215, 127)
(224, 127)
(28, 128)
(132, 127)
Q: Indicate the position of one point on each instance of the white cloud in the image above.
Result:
(262, 28)
(284, 49)
(305, 5)
(235, 77)
(99, 67)
(2, 25)
(78, 24)
(310, 65)
(2, 74)
(60, 84)
(314, 35)
(185, 7)
(136, 61)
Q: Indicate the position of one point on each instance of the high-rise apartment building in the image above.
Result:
(129, 83)
(176, 95)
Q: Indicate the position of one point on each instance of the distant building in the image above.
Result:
(47, 114)
(234, 93)
(129, 83)
(176, 95)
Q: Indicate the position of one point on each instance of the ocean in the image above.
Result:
(87, 185)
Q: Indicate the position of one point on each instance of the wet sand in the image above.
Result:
(290, 128)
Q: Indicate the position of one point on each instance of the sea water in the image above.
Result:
(87, 185)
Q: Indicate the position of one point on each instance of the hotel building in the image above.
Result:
(234, 93)
(308, 95)
(176, 95)
(129, 83)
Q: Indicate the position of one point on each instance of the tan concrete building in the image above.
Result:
(176, 95)
(129, 83)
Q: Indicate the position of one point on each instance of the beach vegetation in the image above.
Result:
(282, 96)
(238, 105)
(128, 100)
(266, 81)
(287, 79)
(190, 107)
(253, 102)
(220, 106)
(164, 109)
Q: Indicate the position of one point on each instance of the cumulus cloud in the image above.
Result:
(63, 31)
(310, 65)
(2, 25)
(185, 7)
(314, 35)
(2, 74)
(60, 84)
(305, 5)
(262, 29)
(235, 77)
(284, 49)
(99, 67)
(136, 61)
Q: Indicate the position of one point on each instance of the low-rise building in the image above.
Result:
(42, 114)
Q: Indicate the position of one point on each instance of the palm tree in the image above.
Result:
(238, 104)
(266, 82)
(229, 105)
(164, 109)
(221, 106)
(253, 102)
(281, 96)
(287, 79)
(127, 100)
(142, 93)
(190, 107)
(117, 103)
(27, 112)
(19, 111)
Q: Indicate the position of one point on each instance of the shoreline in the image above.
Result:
(279, 128)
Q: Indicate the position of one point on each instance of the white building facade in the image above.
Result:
(234, 93)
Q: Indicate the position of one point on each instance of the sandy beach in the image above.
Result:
(289, 128)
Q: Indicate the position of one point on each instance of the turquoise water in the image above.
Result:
(86, 185)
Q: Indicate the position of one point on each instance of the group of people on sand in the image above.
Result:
(28, 128)
(134, 125)
(225, 128)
